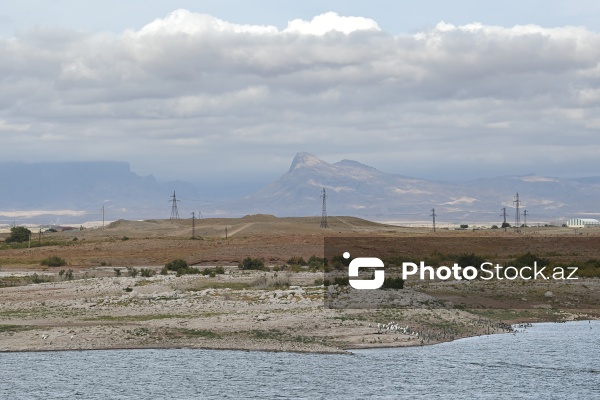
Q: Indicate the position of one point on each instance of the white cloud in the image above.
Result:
(328, 22)
(473, 99)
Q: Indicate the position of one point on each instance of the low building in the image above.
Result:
(582, 222)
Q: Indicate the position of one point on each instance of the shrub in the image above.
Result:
(132, 272)
(18, 234)
(296, 261)
(124, 238)
(315, 262)
(528, 259)
(472, 260)
(117, 271)
(69, 275)
(393, 283)
(209, 271)
(272, 281)
(341, 281)
(252, 263)
(212, 272)
(181, 267)
(35, 278)
(53, 261)
(147, 272)
(164, 271)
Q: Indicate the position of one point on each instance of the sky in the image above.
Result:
(225, 93)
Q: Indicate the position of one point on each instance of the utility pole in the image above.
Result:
(40, 237)
(525, 218)
(433, 214)
(103, 217)
(193, 225)
(225, 233)
(504, 215)
(324, 223)
(517, 202)
(174, 212)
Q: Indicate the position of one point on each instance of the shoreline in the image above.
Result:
(99, 300)
(344, 351)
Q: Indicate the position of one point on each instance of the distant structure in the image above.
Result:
(174, 212)
(504, 224)
(193, 224)
(517, 212)
(324, 223)
(582, 222)
(433, 214)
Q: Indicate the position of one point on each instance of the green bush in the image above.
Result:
(18, 234)
(252, 263)
(132, 272)
(469, 260)
(212, 272)
(341, 281)
(393, 283)
(117, 271)
(53, 261)
(147, 272)
(181, 267)
(296, 261)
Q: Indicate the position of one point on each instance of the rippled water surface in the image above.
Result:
(548, 361)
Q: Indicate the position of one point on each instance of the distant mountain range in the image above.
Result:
(360, 190)
(352, 189)
(77, 191)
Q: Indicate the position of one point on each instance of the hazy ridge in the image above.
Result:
(352, 189)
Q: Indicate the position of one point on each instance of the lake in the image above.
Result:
(547, 361)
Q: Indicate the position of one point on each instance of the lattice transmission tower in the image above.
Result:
(517, 213)
(324, 223)
(174, 212)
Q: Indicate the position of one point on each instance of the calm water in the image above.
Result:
(549, 361)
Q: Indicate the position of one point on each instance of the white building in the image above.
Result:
(582, 222)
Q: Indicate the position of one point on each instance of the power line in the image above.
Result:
(324, 223)
(174, 212)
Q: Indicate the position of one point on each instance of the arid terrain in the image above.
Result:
(85, 305)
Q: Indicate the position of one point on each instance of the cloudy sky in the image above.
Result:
(230, 91)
